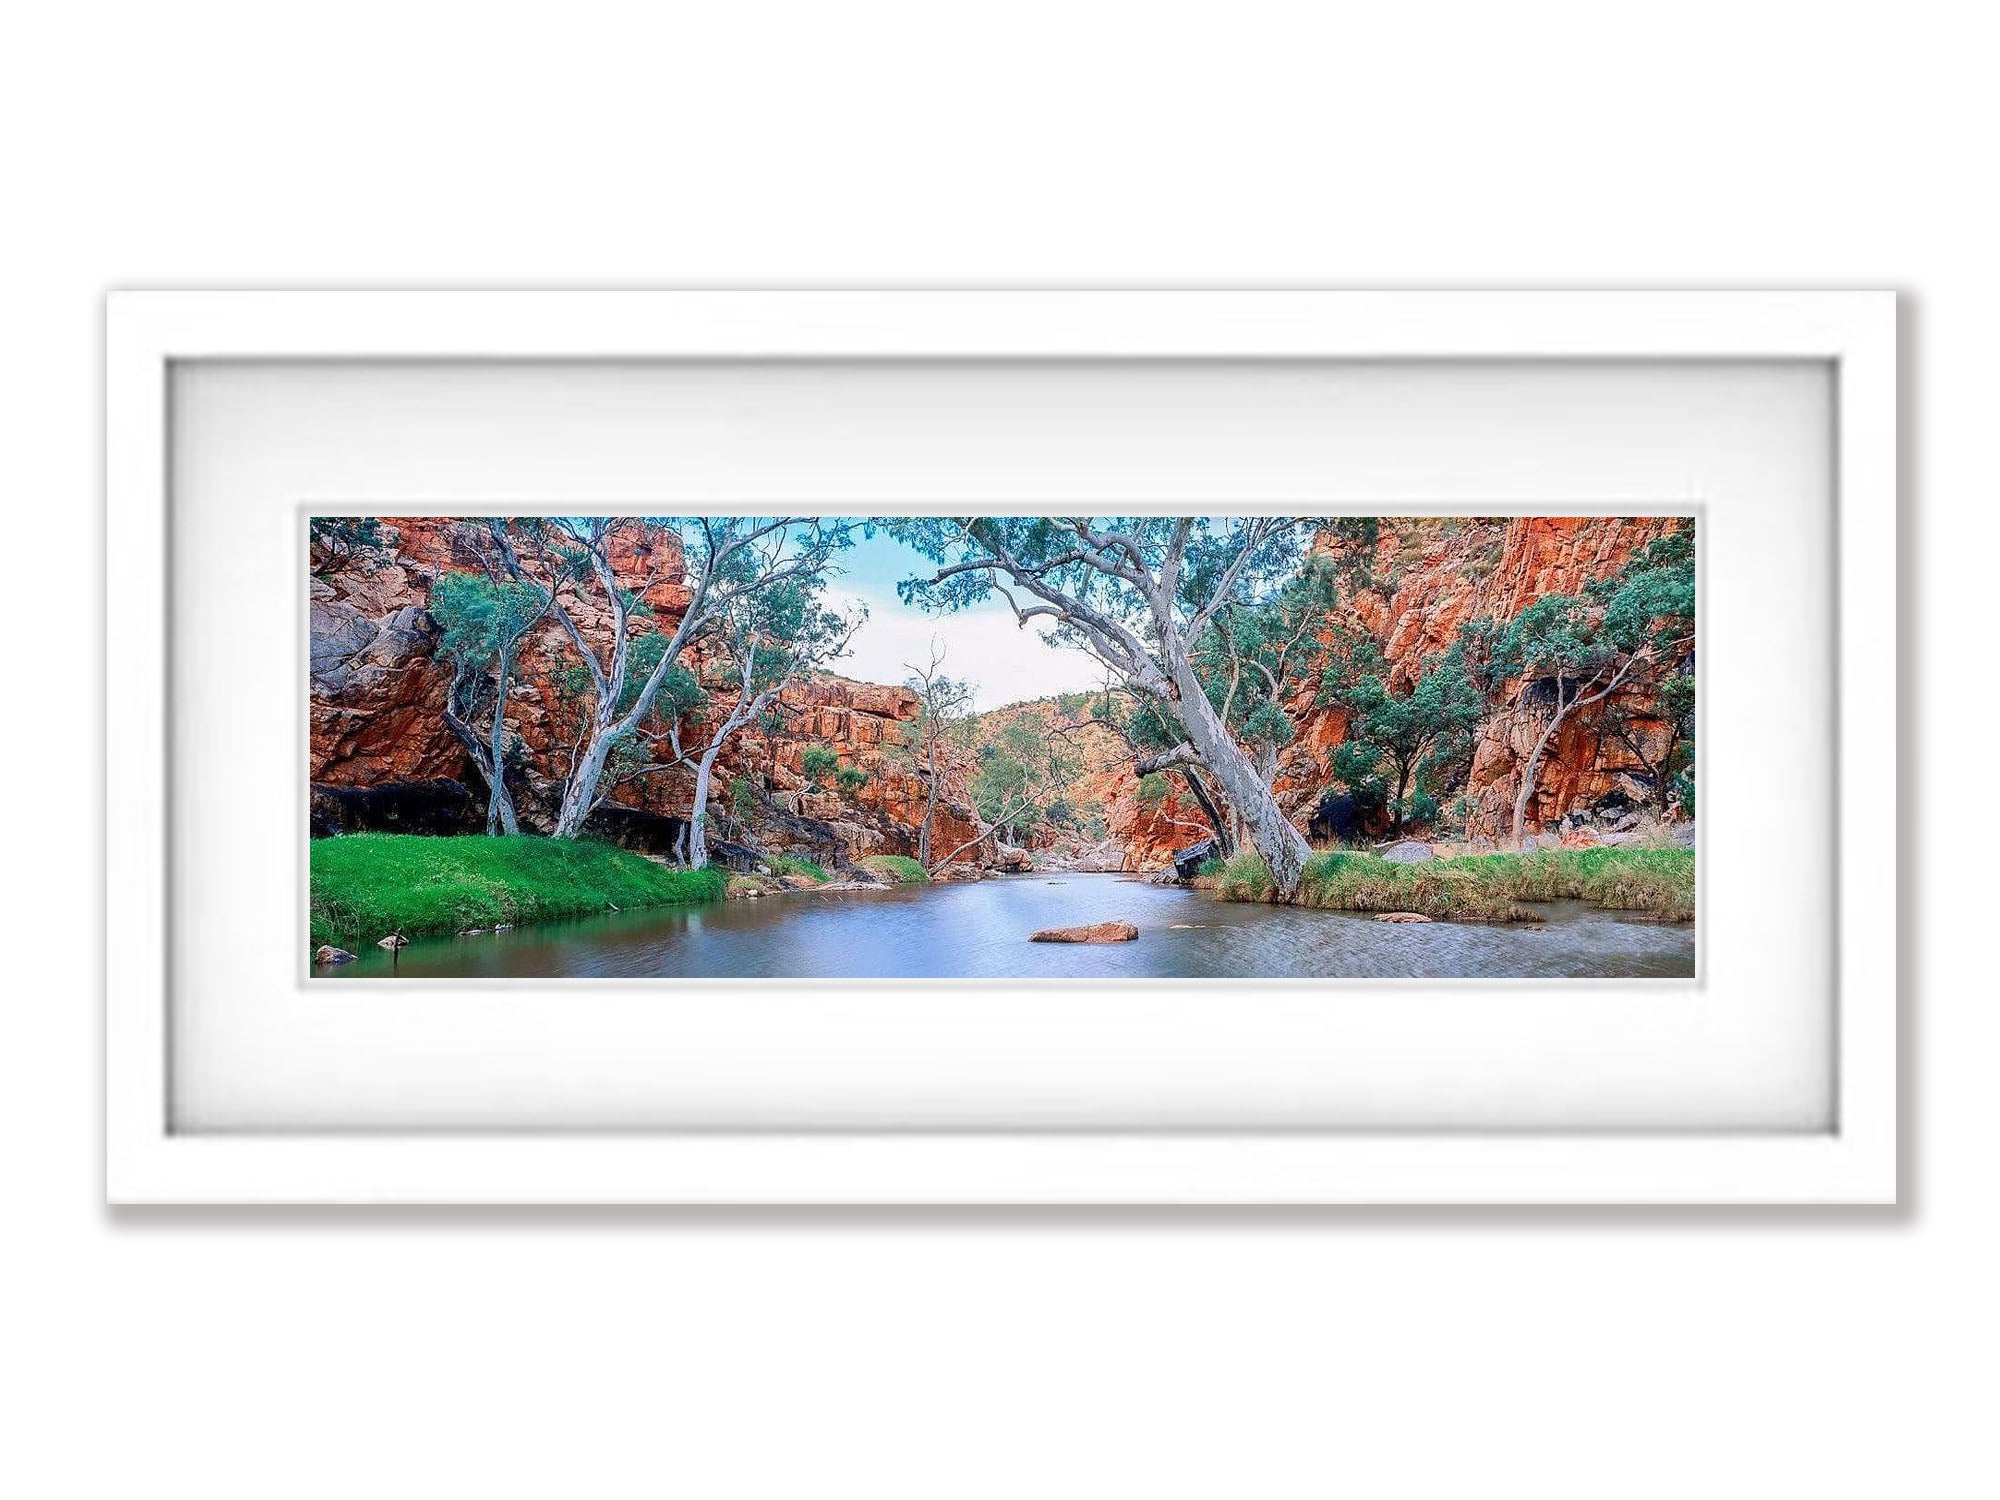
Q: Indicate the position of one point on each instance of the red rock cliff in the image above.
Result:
(378, 698)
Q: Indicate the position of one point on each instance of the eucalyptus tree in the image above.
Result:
(944, 704)
(1022, 771)
(1571, 651)
(483, 621)
(767, 640)
(1137, 592)
(723, 560)
(1412, 733)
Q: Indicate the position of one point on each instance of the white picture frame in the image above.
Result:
(1852, 1161)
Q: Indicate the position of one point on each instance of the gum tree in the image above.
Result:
(943, 705)
(767, 639)
(725, 561)
(1137, 592)
(1414, 732)
(1571, 651)
(484, 621)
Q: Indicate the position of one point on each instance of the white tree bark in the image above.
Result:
(1284, 848)
(1161, 669)
(1564, 708)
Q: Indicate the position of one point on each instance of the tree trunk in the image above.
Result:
(1402, 786)
(500, 815)
(704, 773)
(1528, 774)
(1284, 848)
(499, 801)
(930, 811)
(580, 795)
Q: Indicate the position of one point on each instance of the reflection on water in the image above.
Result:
(981, 931)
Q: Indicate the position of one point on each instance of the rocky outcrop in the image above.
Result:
(1433, 575)
(379, 693)
(1428, 576)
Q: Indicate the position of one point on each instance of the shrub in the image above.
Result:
(851, 779)
(818, 763)
(1152, 789)
(1420, 808)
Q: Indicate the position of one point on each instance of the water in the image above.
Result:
(981, 930)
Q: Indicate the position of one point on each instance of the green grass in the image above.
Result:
(368, 885)
(905, 870)
(792, 864)
(1482, 887)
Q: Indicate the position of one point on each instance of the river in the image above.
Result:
(980, 930)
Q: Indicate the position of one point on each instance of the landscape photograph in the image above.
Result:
(1228, 746)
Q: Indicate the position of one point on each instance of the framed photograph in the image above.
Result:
(1001, 747)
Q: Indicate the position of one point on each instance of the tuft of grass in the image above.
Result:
(1482, 887)
(904, 869)
(1244, 877)
(793, 864)
(368, 885)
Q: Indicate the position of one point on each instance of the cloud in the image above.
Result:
(983, 644)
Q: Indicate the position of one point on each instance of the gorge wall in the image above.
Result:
(1430, 576)
(379, 693)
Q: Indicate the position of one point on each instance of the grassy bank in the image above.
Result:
(899, 867)
(1481, 887)
(367, 885)
(793, 864)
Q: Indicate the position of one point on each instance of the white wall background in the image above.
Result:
(951, 1355)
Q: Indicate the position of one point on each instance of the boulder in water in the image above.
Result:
(1401, 916)
(1096, 932)
(330, 955)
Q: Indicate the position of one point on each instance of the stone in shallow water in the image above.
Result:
(1096, 932)
(1401, 916)
(328, 954)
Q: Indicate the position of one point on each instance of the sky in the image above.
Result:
(982, 643)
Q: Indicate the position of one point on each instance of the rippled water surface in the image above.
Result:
(981, 931)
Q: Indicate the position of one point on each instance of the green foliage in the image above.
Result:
(478, 616)
(818, 764)
(1152, 789)
(1357, 766)
(365, 886)
(1268, 724)
(1648, 605)
(1051, 546)
(1401, 751)
(851, 779)
(742, 798)
(1483, 887)
(793, 864)
(905, 870)
(1018, 769)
